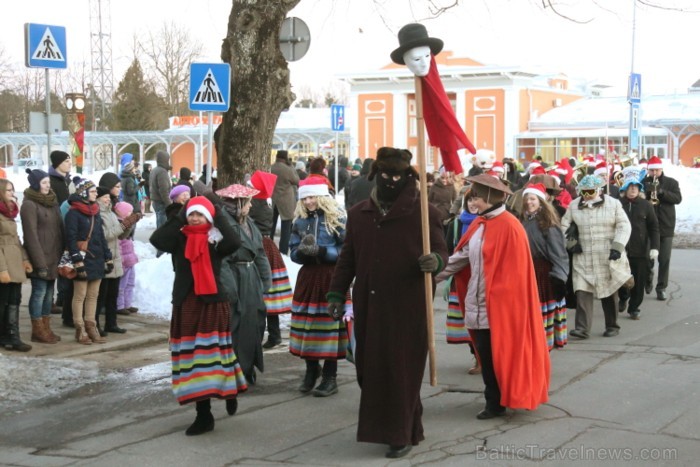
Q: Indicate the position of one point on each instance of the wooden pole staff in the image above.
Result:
(420, 127)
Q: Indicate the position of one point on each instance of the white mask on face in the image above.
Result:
(417, 60)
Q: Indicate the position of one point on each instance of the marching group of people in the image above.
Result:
(360, 291)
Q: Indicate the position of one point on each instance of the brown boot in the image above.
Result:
(47, 326)
(39, 333)
(93, 333)
(81, 336)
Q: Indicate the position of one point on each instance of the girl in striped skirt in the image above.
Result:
(550, 260)
(203, 361)
(318, 233)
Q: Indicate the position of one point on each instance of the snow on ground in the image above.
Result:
(23, 379)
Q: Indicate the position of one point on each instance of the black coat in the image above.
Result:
(170, 239)
(669, 194)
(645, 227)
(77, 226)
(59, 185)
(360, 190)
(261, 214)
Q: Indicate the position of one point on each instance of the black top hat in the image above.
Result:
(411, 36)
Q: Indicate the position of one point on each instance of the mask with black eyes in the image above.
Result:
(390, 184)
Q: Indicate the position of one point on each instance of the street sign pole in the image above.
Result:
(210, 137)
(48, 117)
(335, 183)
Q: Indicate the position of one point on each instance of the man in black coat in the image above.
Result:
(664, 193)
(59, 175)
(361, 187)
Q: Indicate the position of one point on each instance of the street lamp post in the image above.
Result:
(75, 104)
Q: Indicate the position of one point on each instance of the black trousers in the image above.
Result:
(107, 301)
(492, 392)
(330, 367)
(640, 271)
(285, 231)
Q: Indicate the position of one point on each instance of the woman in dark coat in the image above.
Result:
(204, 363)
(83, 223)
(643, 244)
(246, 276)
(43, 240)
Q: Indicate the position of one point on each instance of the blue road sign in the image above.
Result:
(45, 46)
(210, 87)
(634, 92)
(635, 125)
(337, 117)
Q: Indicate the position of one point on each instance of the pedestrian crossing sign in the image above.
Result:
(45, 46)
(210, 86)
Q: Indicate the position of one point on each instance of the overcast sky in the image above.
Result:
(358, 35)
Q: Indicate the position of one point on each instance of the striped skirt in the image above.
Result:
(456, 330)
(278, 300)
(203, 361)
(553, 310)
(313, 334)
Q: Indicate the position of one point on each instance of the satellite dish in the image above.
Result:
(295, 39)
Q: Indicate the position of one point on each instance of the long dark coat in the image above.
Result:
(245, 275)
(669, 194)
(381, 254)
(77, 227)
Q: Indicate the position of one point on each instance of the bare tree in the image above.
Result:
(166, 59)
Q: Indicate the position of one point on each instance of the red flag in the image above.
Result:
(443, 129)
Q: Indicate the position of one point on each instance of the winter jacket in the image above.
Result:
(170, 239)
(130, 190)
(284, 197)
(12, 253)
(60, 184)
(442, 196)
(77, 227)
(669, 194)
(549, 246)
(159, 180)
(112, 229)
(315, 224)
(261, 213)
(44, 240)
(645, 227)
(602, 227)
(128, 253)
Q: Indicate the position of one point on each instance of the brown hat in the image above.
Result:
(392, 159)
(490, 182)
(549, 182)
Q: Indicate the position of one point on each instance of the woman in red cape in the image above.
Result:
(497, 290)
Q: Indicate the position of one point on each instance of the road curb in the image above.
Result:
(122, 344)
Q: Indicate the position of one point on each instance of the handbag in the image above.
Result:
(83, 244)
(66, 268)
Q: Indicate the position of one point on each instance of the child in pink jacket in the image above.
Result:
(129, 260)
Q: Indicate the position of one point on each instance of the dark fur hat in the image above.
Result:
(393, 160)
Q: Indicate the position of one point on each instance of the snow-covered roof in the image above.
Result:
(599, 112)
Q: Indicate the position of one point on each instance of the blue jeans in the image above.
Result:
(159, 208)
(41, 299)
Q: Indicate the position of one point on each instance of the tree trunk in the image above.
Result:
(260, 87)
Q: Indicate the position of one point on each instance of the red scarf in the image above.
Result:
(91, 209)
(9, 210)
(443, 128)
(197, 252)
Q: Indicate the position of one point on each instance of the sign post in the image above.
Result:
(634, 97)
(210, 91)
(337, 125)
(45, 47)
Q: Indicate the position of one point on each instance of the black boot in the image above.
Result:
(327, 387)
(13, 341)
(313, 371)
(100, 329)
(204, 421)
(232, 406)
(111, 322)
(274, 337)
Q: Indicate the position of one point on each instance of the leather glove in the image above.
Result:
(214, 198)
(653, 254)
(109, 266)
(43, 273)
(200, 188)
(27, 267)
(573, 247)
(430, 263)
(130, 220)
(80, 269)
(308, 245)
(614, 255)
(336, 303)
(5, 277)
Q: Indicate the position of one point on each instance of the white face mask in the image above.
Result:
(417, 60)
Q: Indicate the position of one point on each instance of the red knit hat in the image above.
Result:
(264, 182)
(537, 170)
(655, 163)
(203, 206)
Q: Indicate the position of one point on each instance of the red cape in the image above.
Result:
(518, 343)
